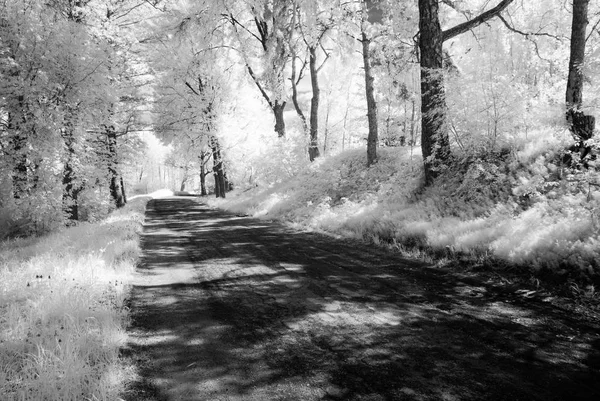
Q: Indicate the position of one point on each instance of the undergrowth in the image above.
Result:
(62, 314)
(519, 207)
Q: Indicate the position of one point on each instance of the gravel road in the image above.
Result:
(234, 308)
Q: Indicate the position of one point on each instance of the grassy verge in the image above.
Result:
(521, 210)
(62, 314)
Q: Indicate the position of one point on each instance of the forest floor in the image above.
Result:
(226, 307)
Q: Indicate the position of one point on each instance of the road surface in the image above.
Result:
(234, 308)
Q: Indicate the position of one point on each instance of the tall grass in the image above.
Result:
(523, 208)
(62, 313)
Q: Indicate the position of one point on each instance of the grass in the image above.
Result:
(62, 313)
(520, 207)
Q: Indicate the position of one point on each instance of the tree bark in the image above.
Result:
(19, 177)
(435, 142)
(115, 190)
(71, 190)
(228, 184)
(184, 179)
(123, 190)
(278, 109)
(17, 122)
(326, 133)
(218, 172)
(294, 80)
(313, 149)
(372, 139)
(203, 173)
(580, 124)
(574, 95)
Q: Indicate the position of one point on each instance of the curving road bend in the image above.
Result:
(234, 308)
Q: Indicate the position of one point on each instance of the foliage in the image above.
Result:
(63, 73)
(515, 207)
(62, 312)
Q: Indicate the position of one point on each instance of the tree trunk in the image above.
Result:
(70, 188)
(16, 125)
(218, 168)
(313, 149)
(115, 190)
(574, 95)
(184, 179)
(19, 178)
(580, 124)
(123, 190)
(203, 174)
(35, 180)
(372, 139)
(326, 133)
(413, 119)
(294, 80)
(228, 184)
(435, 142)
(278, 108)
(203, 182)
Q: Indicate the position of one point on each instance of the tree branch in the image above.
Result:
(527, 34)
(263, 31)
(301, 73)
(480, 19)
(326, 57)
(192, 89)
(235, 21)
(594, 28)
(259, 86)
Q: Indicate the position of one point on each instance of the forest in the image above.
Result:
(458, 132)
(471, 117)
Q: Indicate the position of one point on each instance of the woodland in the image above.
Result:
(461, 132)
(467, 114)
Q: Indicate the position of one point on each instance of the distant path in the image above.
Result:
(233, 308)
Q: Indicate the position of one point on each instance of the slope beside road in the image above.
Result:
(234, 308)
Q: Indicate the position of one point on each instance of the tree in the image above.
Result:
(189, 95)
(271, 28)
(204, 157)
(580, 124)
(218, 168)
(366, 16)
(312, 37)
(22, 81)
(115, 184)
(59, 106)
(435, 142)
(369, 8)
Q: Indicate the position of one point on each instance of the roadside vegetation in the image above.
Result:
(62, 312)
(520, 208)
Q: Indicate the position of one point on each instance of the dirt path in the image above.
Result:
(234, 308)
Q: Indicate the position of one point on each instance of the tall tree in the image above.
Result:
(218, 168)
(312, 35)
(371, 13)
(581, 125)
(270, 28)
(435, 142)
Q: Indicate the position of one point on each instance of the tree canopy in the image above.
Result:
(253, 91)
